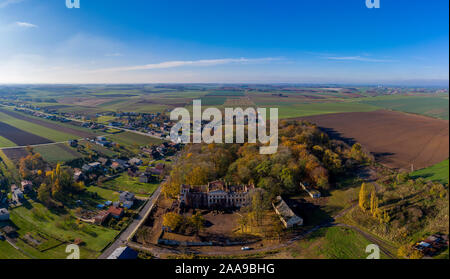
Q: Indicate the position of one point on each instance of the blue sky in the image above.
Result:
(267, 41)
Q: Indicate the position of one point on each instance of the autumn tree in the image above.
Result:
(44, 194)
(363, 201)
(197, 222)
(373, 201)
(173, 221)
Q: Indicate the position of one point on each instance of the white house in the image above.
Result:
(4, 214)
(287, 216)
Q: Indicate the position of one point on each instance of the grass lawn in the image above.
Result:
(332, 243)
(341, 199)
(12, 171)
(130, 139)
(299, 110)
(438, 172)
(437, 107)
(6, 143)
(7, 252)
(131, 184)
(106, 194)
(105, 119)
(36, 218)
(32, 128)
(55, 153)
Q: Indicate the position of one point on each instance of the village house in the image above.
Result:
(119, 165)
(311, 192)
(216, 194)
(127, 199)
(27, 186)
(101, 217)
(287, 216)
(135, 162)
(10, 231)
(155, 171)
(17, 194)
(78, 175)
(144, 178)
(4, 214)
(104, 161)
(73, 143)
(115, 212)
(87, 168)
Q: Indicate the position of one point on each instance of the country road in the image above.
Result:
(131, 229)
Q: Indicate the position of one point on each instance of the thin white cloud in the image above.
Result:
(116, 54)
(175, 64)
(5, 3)
(357, 58)
(26, 24)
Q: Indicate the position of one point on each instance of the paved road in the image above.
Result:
(131, 229)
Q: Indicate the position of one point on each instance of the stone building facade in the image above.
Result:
(216, 194)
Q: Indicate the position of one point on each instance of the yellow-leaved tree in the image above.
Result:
(363, 201)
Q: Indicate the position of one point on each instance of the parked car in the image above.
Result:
(246, 248)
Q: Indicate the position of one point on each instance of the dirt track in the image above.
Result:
(396, 139)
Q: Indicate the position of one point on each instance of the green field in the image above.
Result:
(438, 172)
(213, 101)
(308, 109)
(36, 218)
(131, 184)
(226, 93)
(105, 119)
(12, 172)
(32, 128)
(56, 153)
(332, 243)
(105, 194)
(6, 143)
(435, 106)
(7, 252)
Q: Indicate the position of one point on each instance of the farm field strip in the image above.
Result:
(6, 143)
(61, 127)
(438, 172)
(57, 153)
(435, 106)
(20, 137)
(32, 128)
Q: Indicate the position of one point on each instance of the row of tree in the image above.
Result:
(369, 202)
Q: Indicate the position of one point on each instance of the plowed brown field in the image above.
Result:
(396, 139)
(20, 137)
